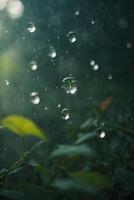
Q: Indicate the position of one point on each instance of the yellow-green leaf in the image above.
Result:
(23, 126)
(94, 179)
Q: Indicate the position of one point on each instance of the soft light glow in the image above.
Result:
(15, 8)
(3, 4)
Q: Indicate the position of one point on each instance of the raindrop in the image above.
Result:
(46, 89)
(70, 85)
(96, 67)
(92, 62)
(110, 77)
(77, 12)
(92, 22)
(102, 134)
(46, 108)
(33, 65)
(59, 105)
(52, 53)
(7, 82)
(31, 27)
(65, 114)
(71, 36)
(35, 99)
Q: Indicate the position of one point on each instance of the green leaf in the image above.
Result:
(89, 123)
(23, 126)
(86, 137)
(38, 167)
(72, 150)
(13, 194)
(93, 179)
(72, 185)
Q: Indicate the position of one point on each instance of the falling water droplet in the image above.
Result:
(59, 105)
(31, 27)
(46, 108)
(95, 67)
(110, 77)
(92, 62)
(7, 82)
(65, 114)
(102, 134)
(35, 99)
(92, 22)
(71, 36)
(52, 52)
(33, 65)
(77, 12)
(70, 85)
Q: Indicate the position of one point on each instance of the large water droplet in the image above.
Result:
(71, 36)
(33, 65)
(31, 27)
(70, 85)
(65, 114)
(35, 99)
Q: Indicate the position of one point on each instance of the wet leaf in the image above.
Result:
(86, 137)
(71, 150)
(93, 179)
(23, 126)
(89, 123)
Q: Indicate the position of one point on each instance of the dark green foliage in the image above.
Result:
(97, 164)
